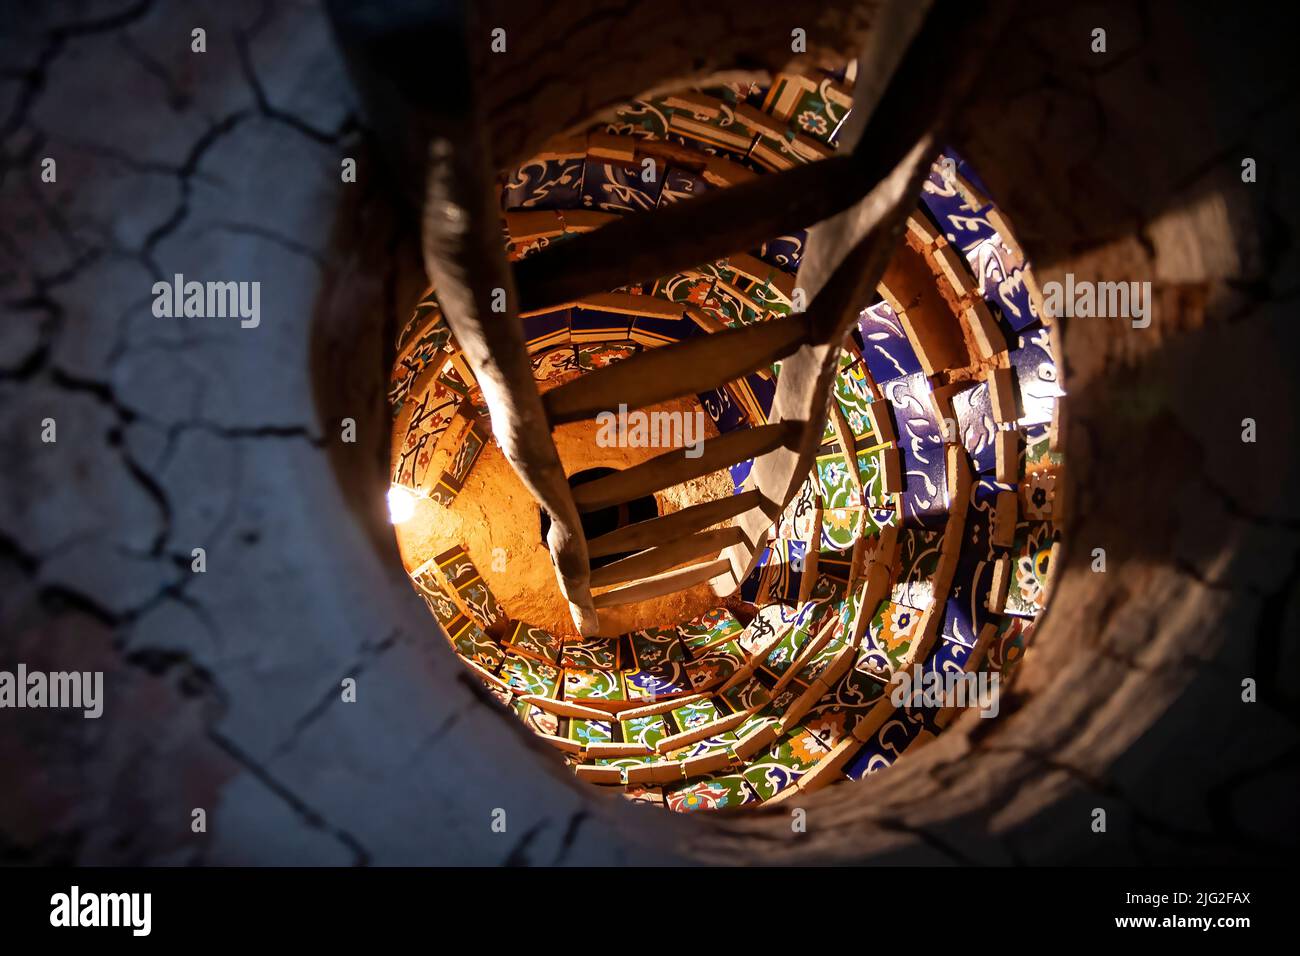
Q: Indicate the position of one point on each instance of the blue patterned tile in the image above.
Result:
(976, 427)
(545, 184)
(723, 409)
(885, 347)
(1037, 375)
(920, 442)
(784, 252)
(613, 187)
(885, 746)
(681, 184)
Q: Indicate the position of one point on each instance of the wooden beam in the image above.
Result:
(647, 534)
(666, 557)
(464, 256)
(662, 584)
(685, 368)
(674, 467)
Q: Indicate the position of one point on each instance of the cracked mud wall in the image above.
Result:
(223, 687)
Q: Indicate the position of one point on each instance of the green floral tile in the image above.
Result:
(593, 685)
(472, 644)
(918, 562)
(718, 743)
(590, 731)
(1031, 554)
(527, 676)
(717, 664)
(655, 646)
(532, 641)
(841, 527)
(592, 653)
(786, 651)
(888, 641)
(713, 627)
(746, 696)
(714, 793)
(859, 688)
(538, 720)
(816, 664)
(435, 596)
(646, 731)
(695, 714)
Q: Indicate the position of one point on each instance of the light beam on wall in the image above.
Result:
(401, 503)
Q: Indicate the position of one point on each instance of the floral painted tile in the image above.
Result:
(861, 687)
(885, 346)
(832, 722)
(481, 603)
(696, 714)
(435, 596)
(656, 645)
(668, 679)
(747, 696)
(580, 685)
(918, 562)
(888, 640)
(532, 641)
(538, 720)
(714, 793)
(815, 664)
(788, 759)
(1039, 468)
(716, 666)
(712, 627)
(1008, 647)
(471, 445)
(796, 521)
(841, 528)
(785, 570)
(592, 653)
(639, 794)
(1031, 554)
(646, 731)
(924, 703)
(472, 644)
(966, 611)
(786, 651)
(456, 567)
(590, 731)
(523, 675)
(556, 365)
(708, 747)
(591, 357)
